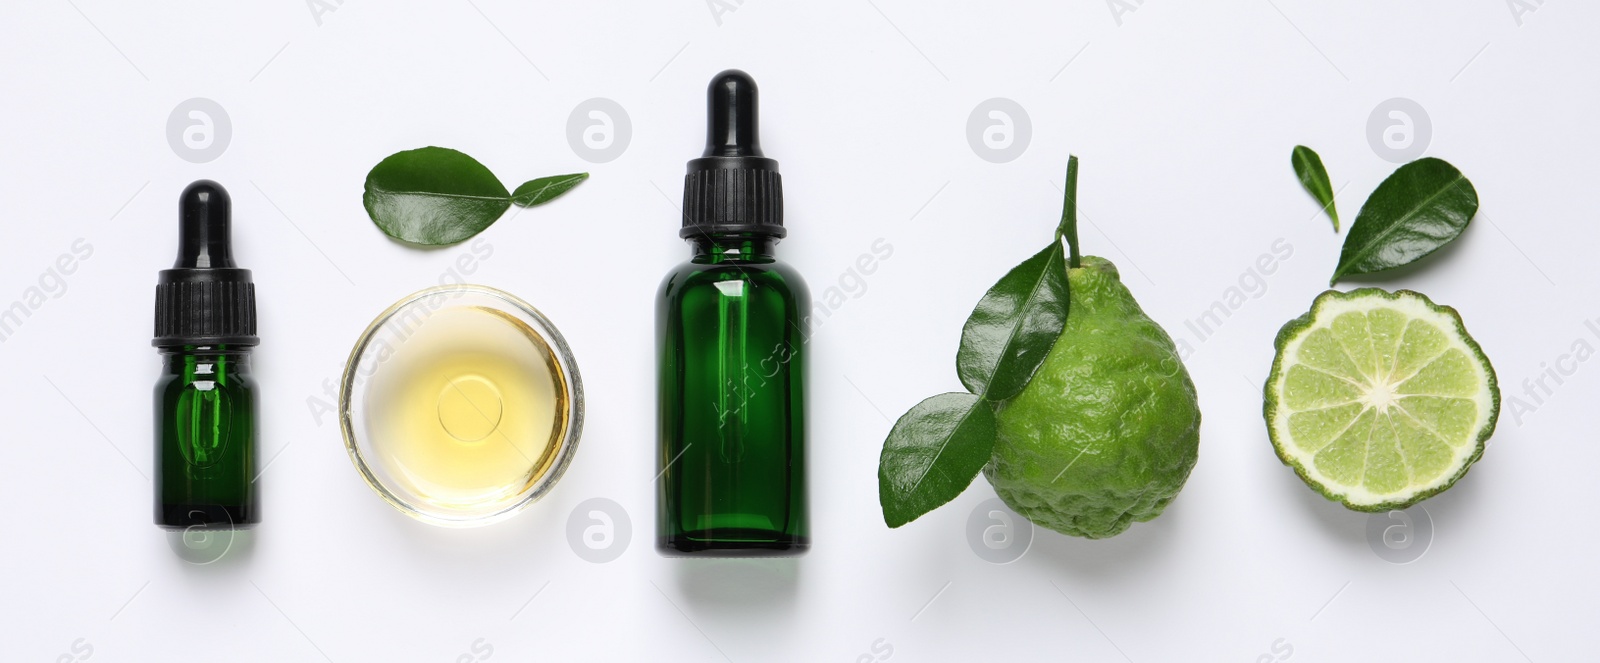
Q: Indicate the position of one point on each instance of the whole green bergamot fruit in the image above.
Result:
(1106, 432)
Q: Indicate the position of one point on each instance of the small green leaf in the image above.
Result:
(932, 454)
(1308, 166)
(433, 196)
(545, 189)
(1423, 206)
(1014, 326)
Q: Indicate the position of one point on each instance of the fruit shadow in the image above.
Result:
(1469, 494)
(750, 590)
(1343, 527)
(1351, 530)
(1128, 553)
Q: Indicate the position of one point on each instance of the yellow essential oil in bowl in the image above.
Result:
(461, 405)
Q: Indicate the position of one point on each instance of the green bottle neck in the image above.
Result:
(205, 358)
(716, 249)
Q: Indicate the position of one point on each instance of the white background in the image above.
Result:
(1183, 114)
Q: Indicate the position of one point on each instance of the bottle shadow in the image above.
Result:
(213, 547)
(748, 590)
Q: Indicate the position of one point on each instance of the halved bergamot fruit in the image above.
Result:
(1379, 400)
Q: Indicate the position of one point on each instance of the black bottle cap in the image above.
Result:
(732, 188)
(204, 299)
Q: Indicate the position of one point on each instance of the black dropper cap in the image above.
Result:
(204, 299)
(732, 188)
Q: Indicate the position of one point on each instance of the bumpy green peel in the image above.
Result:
(1108, 430)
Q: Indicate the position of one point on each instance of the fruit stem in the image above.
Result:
(1069, 214)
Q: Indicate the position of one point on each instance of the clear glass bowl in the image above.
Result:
(461, 405)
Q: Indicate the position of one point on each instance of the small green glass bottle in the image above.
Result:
(731, 332)
(205, 401)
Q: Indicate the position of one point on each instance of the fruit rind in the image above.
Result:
(1107, 432)
(1301, 325)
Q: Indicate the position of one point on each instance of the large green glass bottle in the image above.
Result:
(205, 402)
(731, 341)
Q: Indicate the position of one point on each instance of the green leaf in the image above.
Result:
(1014, 326)
(546, 189)
(433, 196)
(932, 454)
(1308, 166)
(1421, 207)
